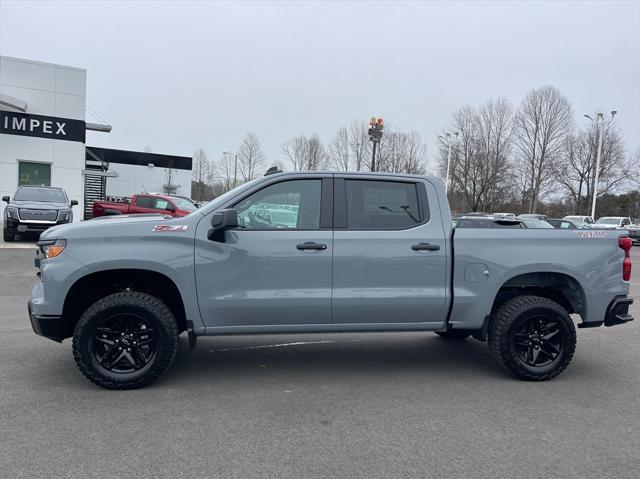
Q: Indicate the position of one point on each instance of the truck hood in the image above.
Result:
(107, 226)
(39, 205)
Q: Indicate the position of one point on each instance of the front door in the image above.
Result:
(275, 269)
(389, 256)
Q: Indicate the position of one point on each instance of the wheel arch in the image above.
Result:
(91, 287)
(557, 286)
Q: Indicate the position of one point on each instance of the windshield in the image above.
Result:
(223, 198)
(184, 204)
(46, 195)
(608, 221)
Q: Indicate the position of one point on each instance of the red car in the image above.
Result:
(175, 206)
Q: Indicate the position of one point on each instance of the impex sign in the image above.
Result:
(40, 126)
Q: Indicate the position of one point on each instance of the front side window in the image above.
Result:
(285, 205)
(382, 205)
(161, 204)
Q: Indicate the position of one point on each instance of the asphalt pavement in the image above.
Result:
(318, 406)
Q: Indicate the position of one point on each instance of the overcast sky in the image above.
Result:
(179, 76)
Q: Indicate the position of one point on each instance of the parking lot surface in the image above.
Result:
(350, 405)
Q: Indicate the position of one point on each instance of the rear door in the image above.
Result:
(390, 258)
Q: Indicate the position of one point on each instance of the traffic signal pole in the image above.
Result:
(375, 135)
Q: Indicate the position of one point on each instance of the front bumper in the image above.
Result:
(30, 227)
(45, 325)
(617, 313)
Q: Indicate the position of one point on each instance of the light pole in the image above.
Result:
(446, 181)
(235, 167)
(599, 122)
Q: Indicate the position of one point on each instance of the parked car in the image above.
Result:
(370, 252)
(566, 224)
(532, 216)
(176, 206)
(612, 222)
(486, 222)
(533, 223)
(580, 219)
(634, 233)
(34, 209)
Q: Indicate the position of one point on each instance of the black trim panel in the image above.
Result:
(326, 203)
(139, 158)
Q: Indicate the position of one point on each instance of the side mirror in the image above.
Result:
(74, 203)
(6, 199)
(169, 208)
(221, 221)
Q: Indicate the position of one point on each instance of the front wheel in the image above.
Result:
(532, 337)
(125, 340)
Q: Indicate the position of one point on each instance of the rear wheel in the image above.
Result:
(532, 337)
(453, 335)
(125, 340)
(8, 235)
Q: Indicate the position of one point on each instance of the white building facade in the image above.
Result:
(43, 141)
(42, 127)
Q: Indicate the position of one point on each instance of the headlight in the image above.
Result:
(51, 248)
(63, 215)
(12, 212)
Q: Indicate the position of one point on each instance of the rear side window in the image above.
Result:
(145, 201)
(382, 205)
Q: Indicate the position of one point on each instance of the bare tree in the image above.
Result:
(200, 173)
(250, 157)
(575, 170)
(316, 154)
(147, 149)
(542, 124)
(338, 150)
(305, 154)
(295, 152)
(169, 176)
(359, 144)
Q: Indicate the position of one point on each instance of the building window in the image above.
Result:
(30, 173)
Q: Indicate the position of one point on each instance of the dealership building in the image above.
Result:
(43, 129)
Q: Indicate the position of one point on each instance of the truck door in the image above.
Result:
(389, 253)
(275, 269)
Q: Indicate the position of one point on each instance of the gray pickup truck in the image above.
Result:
(34, 209)
(355, 252)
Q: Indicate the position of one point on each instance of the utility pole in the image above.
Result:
(375, 135)
(599, 122)
(446, 180)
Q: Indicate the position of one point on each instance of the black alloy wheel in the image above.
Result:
(539, 341)
(124, 343)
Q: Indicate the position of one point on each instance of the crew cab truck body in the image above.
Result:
(367, 252)
(174, 206)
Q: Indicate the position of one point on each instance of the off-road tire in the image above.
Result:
(505, 323)
(8, 235)
(453, 335)
(154, 311)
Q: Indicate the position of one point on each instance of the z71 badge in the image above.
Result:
(170, 228)
(591, 234)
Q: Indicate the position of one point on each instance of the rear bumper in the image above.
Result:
(617, 313)
(48, 326)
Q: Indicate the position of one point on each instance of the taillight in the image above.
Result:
(625, 244)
